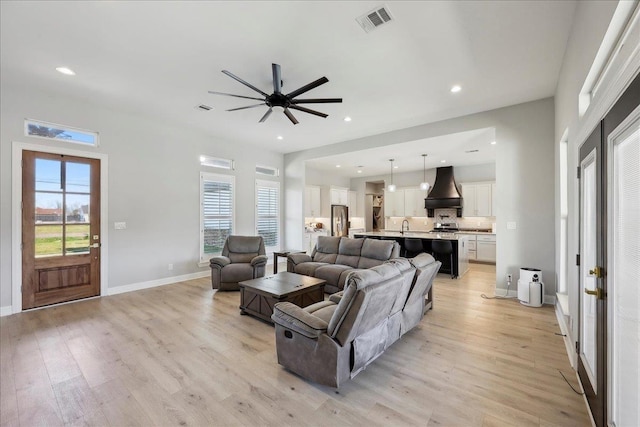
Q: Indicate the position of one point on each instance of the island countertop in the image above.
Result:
(414, 234)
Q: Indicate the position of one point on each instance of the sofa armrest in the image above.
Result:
(298, 258)
(219, 261)
(295, 318)
(336, 297)
(259, 260)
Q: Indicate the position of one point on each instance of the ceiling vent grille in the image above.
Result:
(375, 18)
(203, 107)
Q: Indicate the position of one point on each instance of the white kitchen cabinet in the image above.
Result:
(312, 201)
(477, 199)
(310, 240)
(414, 202)
(353, 204)
(471, 243)
(338, 196)
(486, 248)
(394, 203)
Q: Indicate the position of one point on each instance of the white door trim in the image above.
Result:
(16, 214)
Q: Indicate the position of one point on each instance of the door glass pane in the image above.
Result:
(48, 175)
(78, 177)
(624, 271)
(48, 240)
(77, 208)
(77, 239)
(588, 261)
(48, 208)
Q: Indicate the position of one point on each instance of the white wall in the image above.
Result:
(322, 178)
(524, 176)
(153, 183)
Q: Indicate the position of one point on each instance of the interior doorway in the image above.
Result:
(60, 225)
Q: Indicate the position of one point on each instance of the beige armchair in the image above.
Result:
(242, 258)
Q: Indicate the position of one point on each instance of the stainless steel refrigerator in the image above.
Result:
(339, 220)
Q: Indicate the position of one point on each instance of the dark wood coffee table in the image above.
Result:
(258, 296)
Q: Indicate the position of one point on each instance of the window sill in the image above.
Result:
(563, 302)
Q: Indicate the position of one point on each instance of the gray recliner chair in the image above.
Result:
(242, 258)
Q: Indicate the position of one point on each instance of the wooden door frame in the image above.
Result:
(16, 214)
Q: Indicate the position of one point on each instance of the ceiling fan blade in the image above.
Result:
(315, 101)
(266, 115)
(249, 106)
(306, 88)
(237, 96)
(291, 117)
(306, 110)
(230, 74)
(277, 78)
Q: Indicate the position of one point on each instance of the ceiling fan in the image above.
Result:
(279, 99)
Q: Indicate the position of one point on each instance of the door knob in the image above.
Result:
(597, 271)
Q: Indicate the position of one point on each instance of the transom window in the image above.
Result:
(46, 130)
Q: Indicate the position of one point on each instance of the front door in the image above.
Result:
(60, 228)
(592, 284)
(609, 215)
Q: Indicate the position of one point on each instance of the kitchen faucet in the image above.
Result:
(402, 227)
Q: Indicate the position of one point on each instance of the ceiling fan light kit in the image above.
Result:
(279, 99)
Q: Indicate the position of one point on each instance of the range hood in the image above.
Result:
(444, 193)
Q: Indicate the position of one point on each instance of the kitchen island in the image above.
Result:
(460, 243)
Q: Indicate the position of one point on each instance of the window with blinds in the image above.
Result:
(268, 213)
(217, 215)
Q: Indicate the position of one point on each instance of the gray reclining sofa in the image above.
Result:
(332, 341)
(334, 258)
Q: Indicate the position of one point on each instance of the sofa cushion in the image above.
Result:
(328, 244)
(377, 249)
(350, 246)
(331, 273)
(237, 273)
(323, 309)
(309, 268)
(365, 262)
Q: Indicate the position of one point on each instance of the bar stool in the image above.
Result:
(412, 247)
(443, 247)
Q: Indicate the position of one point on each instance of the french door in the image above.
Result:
(609, 267)
(60, 228)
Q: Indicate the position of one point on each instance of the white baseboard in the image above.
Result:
(7, 310)
(568, 339)
(158, 282)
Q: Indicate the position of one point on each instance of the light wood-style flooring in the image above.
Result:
(182, 354)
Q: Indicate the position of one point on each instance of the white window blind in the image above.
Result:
(268, 212)
(217, 201)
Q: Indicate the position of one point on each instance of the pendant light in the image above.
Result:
(424, 185)
(391, 187)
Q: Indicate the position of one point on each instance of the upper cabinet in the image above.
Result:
(477, 199)
(394, 203)
(414, 202)
(339, 196)
(312, 201)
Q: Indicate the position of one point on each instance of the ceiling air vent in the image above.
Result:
(472, 151)
(203, 107)
(375, 18)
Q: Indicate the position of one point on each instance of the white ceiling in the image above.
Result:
(453, 149)
(161, 58)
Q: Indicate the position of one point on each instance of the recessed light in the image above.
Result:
(337, 166)
(493, 143)
(443, 161)
(395, 167)
(455, 89)
(359, 171)
(202, 159)
(347, 119)
(66, 71)
(280, 137)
